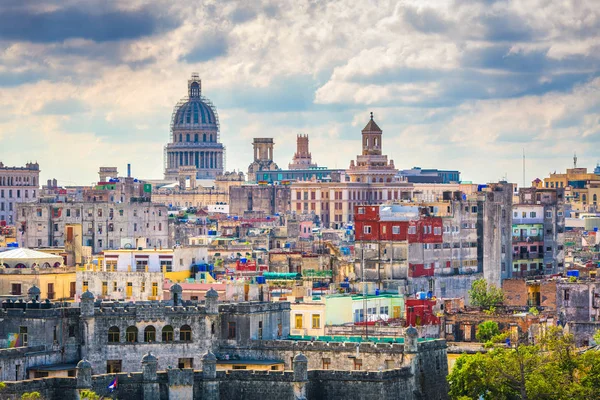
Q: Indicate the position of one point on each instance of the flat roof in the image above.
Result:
(256, 362)
(54, 367)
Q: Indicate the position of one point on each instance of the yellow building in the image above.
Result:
(21, 269)
(54, 284)
(307, 318)
(582, 188)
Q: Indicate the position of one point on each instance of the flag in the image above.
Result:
(113, 384)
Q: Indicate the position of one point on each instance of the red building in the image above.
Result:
(420, 312)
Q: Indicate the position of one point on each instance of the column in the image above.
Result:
(300, 367)
(210, 384)
(150, 386)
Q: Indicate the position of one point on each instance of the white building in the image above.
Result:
(17, 185)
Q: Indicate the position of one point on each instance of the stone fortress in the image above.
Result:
(185, 341)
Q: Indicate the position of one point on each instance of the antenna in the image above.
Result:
(523, 166)
(574, 160)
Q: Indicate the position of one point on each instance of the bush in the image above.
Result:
(486, 331)
(484, 295)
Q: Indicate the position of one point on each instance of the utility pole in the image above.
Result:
(364, 292)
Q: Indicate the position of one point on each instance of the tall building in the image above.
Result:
(372, 166)
(99, 225)
(195, 140)
(302, 158)
(17, 185)
(263, 158)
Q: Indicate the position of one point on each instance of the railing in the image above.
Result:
(527, 239)
(527, 256)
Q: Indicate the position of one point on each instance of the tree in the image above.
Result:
(88, 395)
(484, 295)
(550, 369)
(486, 331)
(31, 396)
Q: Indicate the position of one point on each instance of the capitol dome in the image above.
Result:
(195, 111)
(195, 147)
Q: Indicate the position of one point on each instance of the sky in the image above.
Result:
(453, 84)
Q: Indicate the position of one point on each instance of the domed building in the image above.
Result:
(195, 143)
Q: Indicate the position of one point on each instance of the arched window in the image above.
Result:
(113, 334)
(374, 180)
(204, 137)
(185, 333)
(187, 137)
(131, 334)
(595, 198)
(150, 334)
(196, 138)
(46, 265)
(584, 199)
(211, 137)
(180, 138)
(167, 333)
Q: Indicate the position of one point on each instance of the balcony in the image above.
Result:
(527, 255)
(527, 239)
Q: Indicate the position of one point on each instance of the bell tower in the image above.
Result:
(371, 138)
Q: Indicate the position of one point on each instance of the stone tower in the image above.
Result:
(302, 158)
(263, 158)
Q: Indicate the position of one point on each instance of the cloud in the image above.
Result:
(453, 83)
(67, 23)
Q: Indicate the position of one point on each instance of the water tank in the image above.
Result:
(574, 273)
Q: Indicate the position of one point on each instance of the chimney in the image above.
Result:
(129, 170)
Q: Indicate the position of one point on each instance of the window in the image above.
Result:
(298, 320)
(114, 286)
(185, 333)
(532, 214)
(141, 264)
(412, 230)
(326, 363)
(150, 334)
(15, 289)
(548, 214)
(113, 334)
(361, 210)
(437, 230)
(566, 294)
(51, 291)
(23, 334)
(71, 330)
(231, 330)
(154, 289)
(167, 265)
(143, 287)
(316, 321)
(260, 330)
(396, 230)
(367, 229)
(167, 334)
(131, 334)
(357, 364)
(113, 366)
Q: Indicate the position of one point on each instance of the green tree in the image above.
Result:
(484, 295)
(486, 331)
(550, 369)
(31, 396)
(88, 395)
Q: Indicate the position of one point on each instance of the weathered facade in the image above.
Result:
(258, 199)
(103, 225)
(109, 340)
(17, 185)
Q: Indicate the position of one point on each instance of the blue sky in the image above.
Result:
(457, 84)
